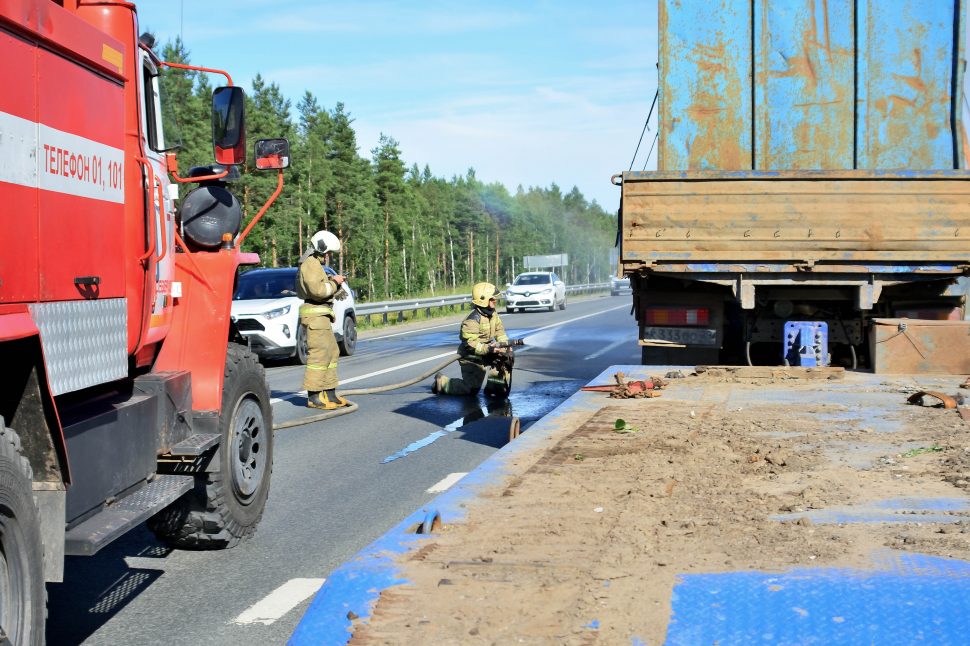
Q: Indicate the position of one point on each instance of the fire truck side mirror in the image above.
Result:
(272, 154)
(229, 125)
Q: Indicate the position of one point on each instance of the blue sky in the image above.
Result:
(525, 92)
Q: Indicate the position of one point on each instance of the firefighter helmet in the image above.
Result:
(324, 242)
(482, 293)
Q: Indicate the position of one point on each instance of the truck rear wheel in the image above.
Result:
(227, 503)
(23, 597)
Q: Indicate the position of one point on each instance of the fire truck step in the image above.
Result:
(121, 515)
(195, 445)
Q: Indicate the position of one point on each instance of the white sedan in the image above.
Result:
(266, 311)
(535, 290)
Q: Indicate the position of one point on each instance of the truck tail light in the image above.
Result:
(677, 315)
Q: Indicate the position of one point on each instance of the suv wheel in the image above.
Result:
(301, 349)
(348, 343)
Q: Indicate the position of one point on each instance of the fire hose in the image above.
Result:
(351, 407)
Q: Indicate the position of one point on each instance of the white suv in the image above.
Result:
(266, 311)
(535, 289)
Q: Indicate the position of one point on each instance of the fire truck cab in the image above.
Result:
(125, 396)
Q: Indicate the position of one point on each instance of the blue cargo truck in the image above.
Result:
(811, 178)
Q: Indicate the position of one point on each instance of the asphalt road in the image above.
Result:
(337, 485)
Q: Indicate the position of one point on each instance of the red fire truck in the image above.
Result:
(125, 396)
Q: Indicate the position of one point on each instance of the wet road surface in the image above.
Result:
(337, 485)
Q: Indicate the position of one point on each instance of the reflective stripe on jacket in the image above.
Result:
(477, 330)
(315, 287)
(309, 309)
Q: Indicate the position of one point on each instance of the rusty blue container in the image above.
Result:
(811, 84)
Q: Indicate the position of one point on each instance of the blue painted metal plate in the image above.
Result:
(805, 84)
(836, 84)
(705, 85)
(910, 83)
(904, 599)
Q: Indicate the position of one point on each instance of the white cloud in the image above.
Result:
(549, 134)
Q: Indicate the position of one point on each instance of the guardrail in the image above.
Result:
(383, 308)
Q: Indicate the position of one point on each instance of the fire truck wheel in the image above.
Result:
(228, 502)
(23, 597)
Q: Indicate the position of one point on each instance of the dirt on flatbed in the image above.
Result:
(600, 525)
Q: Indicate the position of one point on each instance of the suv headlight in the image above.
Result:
(547, 290)
(280, 311)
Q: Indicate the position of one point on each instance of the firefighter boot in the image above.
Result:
(319, 400)
(331, 396)
(440, 386)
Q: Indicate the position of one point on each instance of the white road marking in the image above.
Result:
(344, 382)
(388, 336)
(446, 482)
(279, 602)
(578, 318)
(276, 400)
(603, 351)
(393, 368)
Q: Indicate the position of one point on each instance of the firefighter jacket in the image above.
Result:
(476, 331)
(316, 289)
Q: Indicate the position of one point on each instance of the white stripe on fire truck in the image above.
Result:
(38, 156)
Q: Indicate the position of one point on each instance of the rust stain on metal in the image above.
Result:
(913, 346)
(916, 82)
(912, 110)
(944, 399)
(819, 134)
(623, 389)
(710, 111)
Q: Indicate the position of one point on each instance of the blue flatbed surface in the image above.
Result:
(800, 511)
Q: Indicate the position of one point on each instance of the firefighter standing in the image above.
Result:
(318, 291)
(480, 331)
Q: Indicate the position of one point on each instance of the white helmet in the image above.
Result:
(324, 242)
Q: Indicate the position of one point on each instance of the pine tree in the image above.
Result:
(315, 177)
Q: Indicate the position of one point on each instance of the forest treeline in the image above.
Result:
(405, 231)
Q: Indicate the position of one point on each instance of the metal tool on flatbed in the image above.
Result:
(623, 389)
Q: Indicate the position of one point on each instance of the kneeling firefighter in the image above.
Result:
(480, 335)
(319, 290)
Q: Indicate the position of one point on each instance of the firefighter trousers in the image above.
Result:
(472, 376)
(322, 354)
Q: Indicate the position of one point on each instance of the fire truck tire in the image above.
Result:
(227, 503)
(23, 596)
